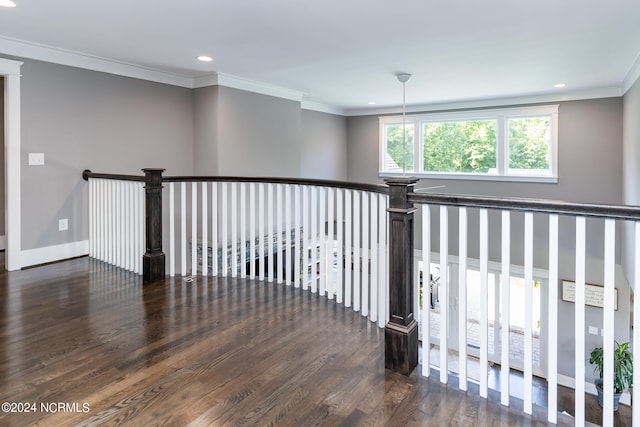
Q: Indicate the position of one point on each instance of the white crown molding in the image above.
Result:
(234, 82)
(608, 92)
(322, 108)
(74, 59)
(22, 49)
(632, 76)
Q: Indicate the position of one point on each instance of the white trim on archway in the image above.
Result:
(11, 71)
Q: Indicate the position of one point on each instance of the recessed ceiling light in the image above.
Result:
(559, 85)
(202, 58)
(7, 3)
(372, 102)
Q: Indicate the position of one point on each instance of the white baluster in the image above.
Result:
(426, 291)
(224, 230)
(443, 294)
(288, 229)
(374, 257)
(462, 297)
(234, 229)
(252, 230)
(506, 304)
(608, 323)
(528, 312)
(357, 264)
(128, 218)
(204, 245)
(261, 231)
(92, 220)
(340, 242)
(383, 261)
(117, 237)
(322, 242)
(279, 224)
(306, 246)
(330, 280)
(348, 248)
(214, 229)
(365, 254)
(552, 330)
(299, 246)
(183, 228)
(141, 226)
(581, 237)
(270, 232)
(172, 229)
(243, 230)
(484, 304)
(314, 239)
(194, 228)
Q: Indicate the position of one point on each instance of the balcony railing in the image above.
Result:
(355, 243)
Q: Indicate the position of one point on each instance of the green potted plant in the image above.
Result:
(622, 370)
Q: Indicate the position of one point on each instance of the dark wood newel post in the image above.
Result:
(153, 262)
(401, 333)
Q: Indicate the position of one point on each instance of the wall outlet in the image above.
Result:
(63, 224)
(593, 330)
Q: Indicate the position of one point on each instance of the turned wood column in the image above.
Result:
(153, 261)
(401, 333)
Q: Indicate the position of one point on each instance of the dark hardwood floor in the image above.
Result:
(84, 343)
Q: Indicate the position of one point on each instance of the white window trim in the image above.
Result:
(500, 114)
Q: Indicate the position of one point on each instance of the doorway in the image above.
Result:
(494, 308)
(10, 71)
(3, 238)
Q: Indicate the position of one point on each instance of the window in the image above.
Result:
(518, 144)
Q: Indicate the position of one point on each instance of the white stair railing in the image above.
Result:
(116, 222)
(332, 239)
(606, 217)
(327, 239)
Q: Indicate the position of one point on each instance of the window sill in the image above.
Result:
(543, 179)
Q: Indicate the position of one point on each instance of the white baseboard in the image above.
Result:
(54, 253)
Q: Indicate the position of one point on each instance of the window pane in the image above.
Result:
(529, 142)
(465, 146)
(399, 152)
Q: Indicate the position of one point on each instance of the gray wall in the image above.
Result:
(258, 135)
(205, 130)
(242, 133)
(631, 167)
(590, 165)
(83, 119)
(324, 146)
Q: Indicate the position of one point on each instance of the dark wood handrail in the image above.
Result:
(530, 205)
(374, 188)
(621, 212)
(86, 174)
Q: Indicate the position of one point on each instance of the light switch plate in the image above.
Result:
(593, 330)
(36, 159)
(63, 224)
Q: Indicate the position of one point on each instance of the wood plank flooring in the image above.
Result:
(84, 343)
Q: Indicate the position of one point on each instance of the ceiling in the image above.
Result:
(344, 54)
